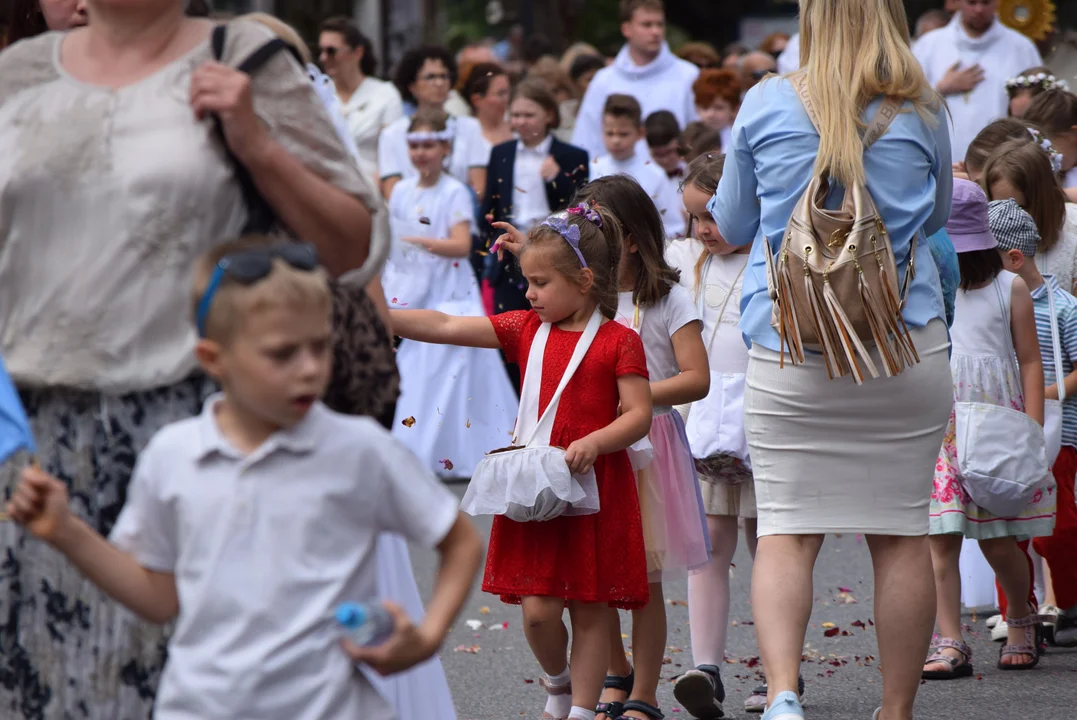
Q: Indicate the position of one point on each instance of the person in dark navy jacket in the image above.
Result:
(527, 180)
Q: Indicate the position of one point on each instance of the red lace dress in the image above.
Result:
(591, 558)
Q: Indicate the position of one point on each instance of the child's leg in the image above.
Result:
(1003, 601)
(708, 594)
(648, 648)
(945, 561)
(590, 652)
(619, 666)
(751, 535)
(1012, 568)
(548, 638)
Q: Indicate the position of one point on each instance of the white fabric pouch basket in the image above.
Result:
(1001, 453)
(531, 482)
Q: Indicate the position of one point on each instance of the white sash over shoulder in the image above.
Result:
(531, 482)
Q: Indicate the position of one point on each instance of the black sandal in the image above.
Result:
(647, 709)
(613, 710)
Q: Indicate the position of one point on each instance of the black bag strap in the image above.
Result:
(261, 218)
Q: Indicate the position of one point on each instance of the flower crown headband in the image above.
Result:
(1053, 155)
(571, 233)
(1040, 80)
(445, 135)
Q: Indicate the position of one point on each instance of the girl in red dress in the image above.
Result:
(591, 562)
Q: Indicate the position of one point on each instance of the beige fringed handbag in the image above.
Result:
(834, 282)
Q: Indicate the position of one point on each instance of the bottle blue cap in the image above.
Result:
(350, 614)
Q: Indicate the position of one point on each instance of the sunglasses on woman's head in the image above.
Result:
(248, 267)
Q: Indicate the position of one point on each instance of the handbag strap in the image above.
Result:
(879, 124)
(1005, 307)
(261, 218)
(539, 432)
(1056, 343)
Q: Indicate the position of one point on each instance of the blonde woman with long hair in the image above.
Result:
(829, 456)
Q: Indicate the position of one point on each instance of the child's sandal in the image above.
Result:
(1032, 626)
(647, 709)
(959, 667)
(613, 710)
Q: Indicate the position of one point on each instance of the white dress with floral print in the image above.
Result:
(983, 372)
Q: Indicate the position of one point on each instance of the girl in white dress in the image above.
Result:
(455, 403)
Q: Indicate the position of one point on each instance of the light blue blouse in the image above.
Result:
(770, 164)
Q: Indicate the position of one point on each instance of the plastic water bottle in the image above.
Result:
(365, 624)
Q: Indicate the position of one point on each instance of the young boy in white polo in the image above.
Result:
(249, 524)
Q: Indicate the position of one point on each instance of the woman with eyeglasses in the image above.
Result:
(369, 105)
(424, 78)
(114, 179)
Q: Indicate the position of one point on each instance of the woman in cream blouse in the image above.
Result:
(112, 181)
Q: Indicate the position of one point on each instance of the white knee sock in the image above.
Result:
(579, 713)
(708, 595)
(559, 705)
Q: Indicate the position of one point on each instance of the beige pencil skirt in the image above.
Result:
(829, 456)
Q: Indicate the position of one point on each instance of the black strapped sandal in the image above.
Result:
(613, 710)
(647, 709)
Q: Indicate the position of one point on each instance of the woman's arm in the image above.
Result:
(694, 381)
(434, 327)
(457, 245)
(337, 223)
(1027, 345)
(631, 426)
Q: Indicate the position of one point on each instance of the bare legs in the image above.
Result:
(548, 637)
(904, 615)
(904, 607)
(781, 604)
(945, 561)
(648, 649)
(1011, 568)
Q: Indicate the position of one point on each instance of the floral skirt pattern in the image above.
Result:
(953, 511)
(67, 650)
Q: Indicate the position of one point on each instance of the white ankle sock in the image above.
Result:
(579, 713)
(559, 705)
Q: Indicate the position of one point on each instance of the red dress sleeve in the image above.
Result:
(510, 327)
(631, 358)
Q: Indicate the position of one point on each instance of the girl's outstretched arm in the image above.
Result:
(432, 326)
(633, 424)
(1027, 345)
(694, 381)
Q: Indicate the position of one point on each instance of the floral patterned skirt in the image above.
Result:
(953, 511)
(67, 650)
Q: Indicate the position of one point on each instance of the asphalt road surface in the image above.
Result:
(494, 677)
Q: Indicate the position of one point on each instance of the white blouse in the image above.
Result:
(374, 106)
(107, 197)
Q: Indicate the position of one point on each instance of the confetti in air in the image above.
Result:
(424, 220)
(447, 464)
(408, 422)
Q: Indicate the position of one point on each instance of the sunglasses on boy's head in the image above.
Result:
(248, 267)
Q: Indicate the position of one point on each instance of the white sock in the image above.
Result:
(558, 705)
(579, 713)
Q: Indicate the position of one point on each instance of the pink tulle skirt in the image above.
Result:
(674, 525)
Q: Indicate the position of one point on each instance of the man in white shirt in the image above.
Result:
(622, 130)
(646, 69)
(968, 62)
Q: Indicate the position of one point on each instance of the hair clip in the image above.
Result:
(1053, 155)
(587, 211)
(571, 233)
(430, 136)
